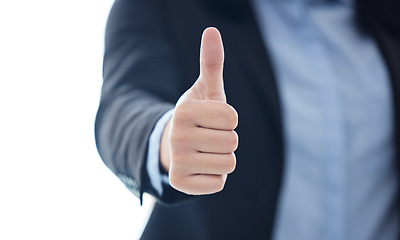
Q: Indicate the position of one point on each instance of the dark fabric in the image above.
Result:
(383, 14)
(151, 58)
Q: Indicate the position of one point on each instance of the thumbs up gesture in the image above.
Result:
(198, 144)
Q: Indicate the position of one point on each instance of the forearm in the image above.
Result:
(123, 125)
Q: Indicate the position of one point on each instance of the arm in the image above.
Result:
(140, 82)
(140, 85)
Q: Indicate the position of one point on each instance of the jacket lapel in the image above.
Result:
(390, 48)
(249, 49)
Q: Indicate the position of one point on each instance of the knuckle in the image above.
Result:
(175, 181)
(230, 163)
(183, 105)
(219, 184)
(178, 160)
(174, 138)
(177, 137)
(183, 112)
(212, 65)
(180, 116)
(232, 141)
(231, 117)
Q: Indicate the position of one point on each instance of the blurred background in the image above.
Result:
(53, 184)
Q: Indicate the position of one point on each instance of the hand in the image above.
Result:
(198, 144)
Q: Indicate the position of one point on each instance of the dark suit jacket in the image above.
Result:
(151, 58)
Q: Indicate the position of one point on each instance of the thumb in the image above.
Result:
(210, 84)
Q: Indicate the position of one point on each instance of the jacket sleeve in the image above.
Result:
(140, 85)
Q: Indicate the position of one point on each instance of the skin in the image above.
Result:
(198, 143)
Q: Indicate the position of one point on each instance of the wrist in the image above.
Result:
(165, 149)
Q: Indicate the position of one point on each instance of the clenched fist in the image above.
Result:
(198, 143)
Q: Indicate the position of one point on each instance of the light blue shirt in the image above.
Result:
(339, 178)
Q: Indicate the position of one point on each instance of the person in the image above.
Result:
(311, 89)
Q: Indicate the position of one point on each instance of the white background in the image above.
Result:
(53, 184)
